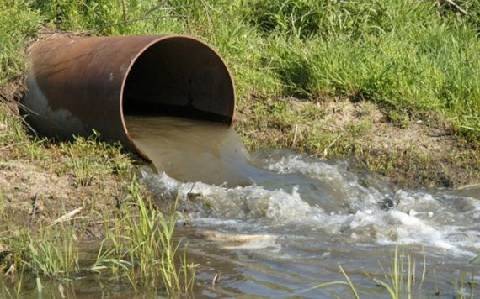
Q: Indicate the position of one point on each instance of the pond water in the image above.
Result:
(278, 224)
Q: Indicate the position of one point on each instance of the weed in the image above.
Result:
(89, 159)
(401, 279)
(53, 252)
(143, 249)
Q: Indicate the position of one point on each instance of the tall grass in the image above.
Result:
(138, 247)
(50, 252)
(402, 279)
(54, 253)
(141, 246)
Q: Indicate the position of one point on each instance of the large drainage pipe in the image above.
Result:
(77, 85)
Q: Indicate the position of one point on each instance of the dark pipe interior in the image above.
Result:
(179, 76)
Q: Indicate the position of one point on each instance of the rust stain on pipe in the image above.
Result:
(79, 84)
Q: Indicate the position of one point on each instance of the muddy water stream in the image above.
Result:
(192, 150)
(277, 224)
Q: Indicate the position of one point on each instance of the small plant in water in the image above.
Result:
(52, 253)
(397, 283)
(141, 246)
(400, 281)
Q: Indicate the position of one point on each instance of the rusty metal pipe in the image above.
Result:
(79, 84)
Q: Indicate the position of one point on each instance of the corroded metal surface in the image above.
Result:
(76, 85)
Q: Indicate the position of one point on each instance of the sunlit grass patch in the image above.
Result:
(89, 159)
(14, 33)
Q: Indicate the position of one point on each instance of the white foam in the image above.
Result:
(235, 203)
(336, 176)
(450, 224)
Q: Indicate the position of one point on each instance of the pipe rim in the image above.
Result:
(140, 53)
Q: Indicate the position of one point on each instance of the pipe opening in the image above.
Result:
(179, 76)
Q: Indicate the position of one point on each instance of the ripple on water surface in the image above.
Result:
(289, 211)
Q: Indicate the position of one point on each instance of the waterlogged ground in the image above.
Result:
(292, 223)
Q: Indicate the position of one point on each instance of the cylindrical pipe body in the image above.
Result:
(76, 85)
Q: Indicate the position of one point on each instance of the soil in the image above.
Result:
(34, 196)
(415, 153)
(34, 192)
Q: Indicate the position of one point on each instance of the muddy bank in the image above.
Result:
(41, 180)
(410, 151)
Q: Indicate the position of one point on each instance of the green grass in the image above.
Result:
(410, 56)
(89, 160)
(141, 247)
(14, 32)
(50, 252)
(138, 248)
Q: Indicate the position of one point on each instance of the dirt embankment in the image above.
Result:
(411, 152)
(41, 180)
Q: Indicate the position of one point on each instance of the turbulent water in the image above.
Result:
(294, 219)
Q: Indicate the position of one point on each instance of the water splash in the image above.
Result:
(347, 210)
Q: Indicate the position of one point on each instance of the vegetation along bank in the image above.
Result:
(391, 85)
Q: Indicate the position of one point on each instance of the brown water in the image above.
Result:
(192, 150)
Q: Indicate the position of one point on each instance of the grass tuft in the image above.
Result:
(138, 247)
(141, 246)
(401, 280)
